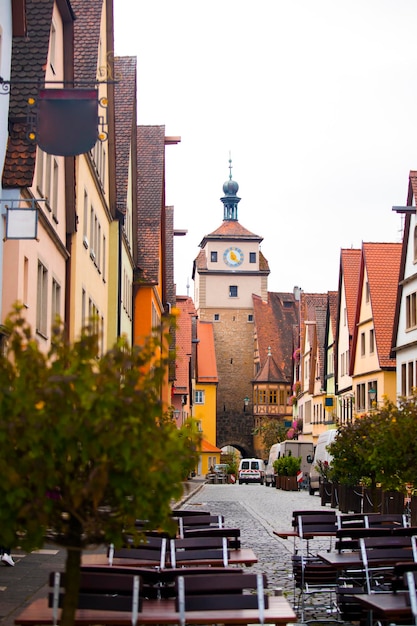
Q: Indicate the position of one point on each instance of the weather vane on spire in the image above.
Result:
(230, 165)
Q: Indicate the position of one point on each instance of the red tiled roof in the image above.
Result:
(274, 323)
(125, 124)
(151, 199)
(230, 229)
(382, 261)
(206, 446)
(270, 372)
(206, 355)
(350, 261)
(313, 308)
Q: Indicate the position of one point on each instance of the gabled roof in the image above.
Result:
(125, 125)
(411, 201)
(274, 323)
(230, 229)
(313, 308)
(350, 261)
(206, 371)
(150, 200)
(382, 263)
(270, 372)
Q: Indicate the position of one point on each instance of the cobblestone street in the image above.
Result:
(258, 511)
(255, 509)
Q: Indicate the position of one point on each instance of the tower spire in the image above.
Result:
(230, 199)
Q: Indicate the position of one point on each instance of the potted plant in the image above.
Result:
(279, 470)
(292, 467)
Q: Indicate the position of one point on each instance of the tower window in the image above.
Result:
(252, 257)
(217, 317)
(250, 317)
(233, 291)
(213, 257)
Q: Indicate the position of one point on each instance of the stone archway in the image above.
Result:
(235, 430)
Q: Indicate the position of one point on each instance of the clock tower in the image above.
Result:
(229, 269)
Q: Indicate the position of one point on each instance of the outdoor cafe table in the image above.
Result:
(243, 556)
(162, 611)
(386, 606)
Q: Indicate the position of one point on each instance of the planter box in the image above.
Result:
(289, 483)
(392, 502)
(325, 490)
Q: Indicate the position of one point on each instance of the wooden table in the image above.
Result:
(387, 606)
(244, 556)
(161, 612)
(342, 560)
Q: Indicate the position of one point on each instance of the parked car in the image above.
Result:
(274, 454)
(251, 471)
(321, 454)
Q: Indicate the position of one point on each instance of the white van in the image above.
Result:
(274, 454)
(321, 454)
(251, 471)
(304, 450)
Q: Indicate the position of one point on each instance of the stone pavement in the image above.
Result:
(258, 511)
(27, 580)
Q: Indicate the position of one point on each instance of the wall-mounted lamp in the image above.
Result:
(372, 395)
(245, 403)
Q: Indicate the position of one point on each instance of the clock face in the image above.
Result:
(233, 256)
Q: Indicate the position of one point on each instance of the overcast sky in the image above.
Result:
(316, 100)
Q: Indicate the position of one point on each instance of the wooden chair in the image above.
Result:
(183, 551)
(313, 577)
(379, 559)
(99, 590)
(347, 539)
(346, 521)
(388, 520)
(156, 583)
(186, 513)
(410, 582)
(199, 521)
(316, 526)
(221, 593)
(232, 534)
(148, 553)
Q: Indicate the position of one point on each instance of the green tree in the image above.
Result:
(379, 447)
(271, 431)
(85, 448)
